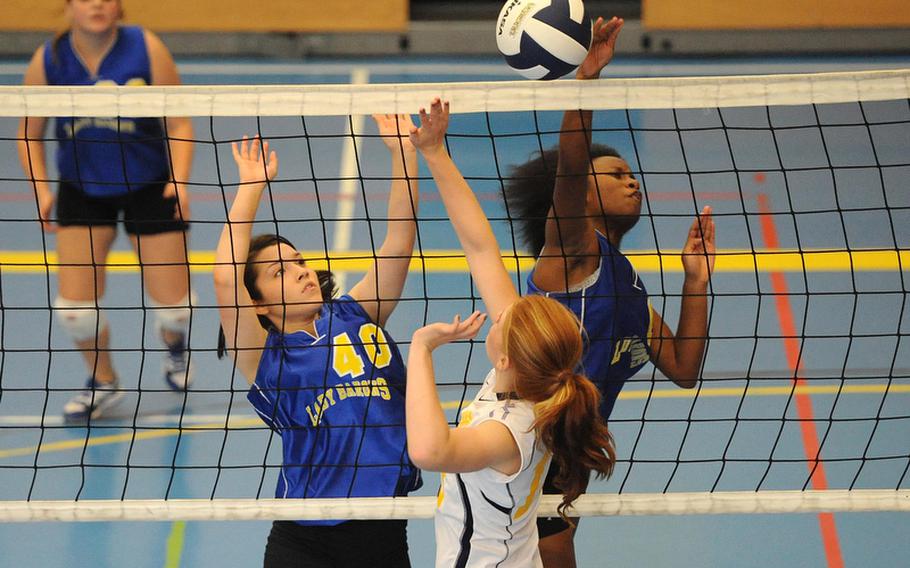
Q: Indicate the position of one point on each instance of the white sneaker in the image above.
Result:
(92, 402)
(178, 372)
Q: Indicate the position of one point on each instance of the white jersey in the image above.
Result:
(486, 518)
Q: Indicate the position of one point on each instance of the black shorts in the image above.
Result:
(377, 544)
(548, 526)
(145, 211)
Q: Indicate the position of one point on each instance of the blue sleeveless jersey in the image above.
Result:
(614, 309)
(106, 157)
(337, 401)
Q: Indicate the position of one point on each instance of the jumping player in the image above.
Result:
(324, 374)
(590, 199)
(532, 405)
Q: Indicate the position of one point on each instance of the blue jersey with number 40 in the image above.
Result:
(337, 400)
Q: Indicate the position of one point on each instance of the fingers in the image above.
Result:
(708, 225)
(701, 234)
(469, 327)
(271, 168)
(703, 228)
(607, 29)
(424, 117)
(250, 149)
(476, 319)
(255, 147)
(403, 124)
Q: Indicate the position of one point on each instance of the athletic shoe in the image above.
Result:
(178, 373)
(94, 401)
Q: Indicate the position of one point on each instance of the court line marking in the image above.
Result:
(444, 260)
(426, 195)
(350, 174)
(217, 422)
(793, 352)
(174, 546)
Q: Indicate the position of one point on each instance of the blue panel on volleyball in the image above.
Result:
(534, 56)
(543, 40)
(556, 15)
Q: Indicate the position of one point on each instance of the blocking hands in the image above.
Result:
(395, 130)
(256, 164)
(699, 251)
(600, 53)
(430, 137)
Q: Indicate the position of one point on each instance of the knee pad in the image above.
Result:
(82, 320)
(174, 318)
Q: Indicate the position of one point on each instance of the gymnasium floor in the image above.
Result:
(851, 322)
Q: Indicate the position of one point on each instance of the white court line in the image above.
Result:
(350, 174)
(160, 420)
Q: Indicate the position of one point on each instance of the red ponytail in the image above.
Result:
(544, 345)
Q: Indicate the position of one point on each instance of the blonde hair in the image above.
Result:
(543, 341)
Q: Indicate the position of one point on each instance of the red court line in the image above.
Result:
(803, 401)
(207, 195)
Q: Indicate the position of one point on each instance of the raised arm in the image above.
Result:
(471, 224)
(570, 252)
(380, 289)
(680, 356)
(244, 336)
(30, 144)
(179, 129)
(432, 444)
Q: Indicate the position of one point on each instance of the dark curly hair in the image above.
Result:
(257, 244)
(529, 193)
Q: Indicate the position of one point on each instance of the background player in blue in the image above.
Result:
(590, 200)
(324, 374)
(107, 166)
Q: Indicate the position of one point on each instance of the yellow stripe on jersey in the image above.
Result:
(535, 485)
(441, 494)
(650, 322)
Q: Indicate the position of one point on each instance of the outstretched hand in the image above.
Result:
(436, 334)
(395, 130)
(600, 53)
(699, 252)
(250, 155)
(430, 137)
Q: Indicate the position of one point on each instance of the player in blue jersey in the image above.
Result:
(324, 374)
(597, 200)
(109, 166)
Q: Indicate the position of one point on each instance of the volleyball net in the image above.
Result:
(803, 401)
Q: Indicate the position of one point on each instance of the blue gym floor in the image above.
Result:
(849, 324)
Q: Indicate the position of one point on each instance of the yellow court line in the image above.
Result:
(762, 391)
(784, 260)
(636, 394)
(714, 392)
(79, 443)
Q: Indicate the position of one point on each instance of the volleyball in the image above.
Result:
(543, 39)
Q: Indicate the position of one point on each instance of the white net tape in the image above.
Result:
(745, 502)
(505, 96)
